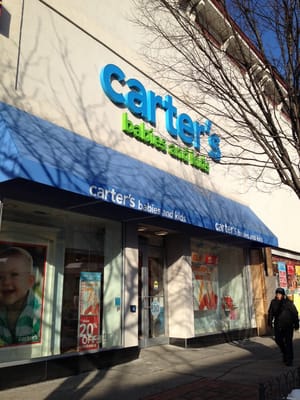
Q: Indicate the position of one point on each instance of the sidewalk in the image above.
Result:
(225, 371)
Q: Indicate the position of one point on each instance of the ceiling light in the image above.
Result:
(161, 233)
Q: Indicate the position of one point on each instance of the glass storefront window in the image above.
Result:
(287, 272)
(74, 281)
(220, 290)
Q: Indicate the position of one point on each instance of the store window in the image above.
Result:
(287, 271)
(71, 283)
(220, 288)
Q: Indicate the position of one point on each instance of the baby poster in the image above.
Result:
(22, 271)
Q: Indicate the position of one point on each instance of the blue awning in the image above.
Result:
(39, 151)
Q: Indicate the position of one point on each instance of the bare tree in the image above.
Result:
(238, 63)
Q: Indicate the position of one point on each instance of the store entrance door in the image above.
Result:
(152, 318)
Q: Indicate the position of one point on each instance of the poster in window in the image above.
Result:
(282, 274)
(89, 311)
(291, 278)
(22, 271)
(297, 272)
(205, 287)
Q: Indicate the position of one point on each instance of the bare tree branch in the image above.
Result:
(238, 62)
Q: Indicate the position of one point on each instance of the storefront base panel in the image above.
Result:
(210, 340)
(63, 366)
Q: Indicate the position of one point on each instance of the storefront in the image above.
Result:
(123, 255)
(105, 191)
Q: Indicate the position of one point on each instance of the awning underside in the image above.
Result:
(39, 151)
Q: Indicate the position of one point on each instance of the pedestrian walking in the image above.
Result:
(283, 317)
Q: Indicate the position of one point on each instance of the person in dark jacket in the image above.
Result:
(283, 316)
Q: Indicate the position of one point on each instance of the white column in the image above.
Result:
(179, 288)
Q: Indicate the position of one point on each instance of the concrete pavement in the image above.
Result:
(224, 371)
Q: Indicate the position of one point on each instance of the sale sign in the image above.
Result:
(89, 311)
(88, 332)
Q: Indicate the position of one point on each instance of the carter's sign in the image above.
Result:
(143, 103)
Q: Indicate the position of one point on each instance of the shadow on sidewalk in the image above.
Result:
(168, 371)
(77, 386)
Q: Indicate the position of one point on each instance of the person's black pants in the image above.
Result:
(284, 340)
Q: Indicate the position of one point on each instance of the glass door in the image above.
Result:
(151, 296)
